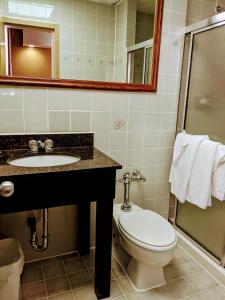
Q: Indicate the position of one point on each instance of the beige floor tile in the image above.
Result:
(65, 296)
(33, 264)
(74, 265)
(34, 291)
(221, 288)
(170, 272)
(180, 254)
(186, 267)
(161, 293)
(70, 256)
(138, 296)
(212, 294)
(92, 271)
(85, 293)
(115, 290)
(51, 260)
(117, 270)
(80, 279)
(90, 260)
(53, 270)
(193, 297)
(58, 288)
(31, 275)
(200, 281)
(181, 288)
(57, 285)
(126, 285)
(113, 258)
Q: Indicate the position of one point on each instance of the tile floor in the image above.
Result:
(70, 277)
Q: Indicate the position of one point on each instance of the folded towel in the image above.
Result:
(218, 178)
(200, 185)
(185, 149)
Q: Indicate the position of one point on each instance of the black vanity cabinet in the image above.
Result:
(92, 179)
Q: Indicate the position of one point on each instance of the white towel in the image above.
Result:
(185, 150)
(200, 185)
(218, 178)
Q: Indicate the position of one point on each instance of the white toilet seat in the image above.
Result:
(148, 230)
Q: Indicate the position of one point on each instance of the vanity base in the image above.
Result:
(37, 191)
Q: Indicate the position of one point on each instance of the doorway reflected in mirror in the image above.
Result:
(29, 51)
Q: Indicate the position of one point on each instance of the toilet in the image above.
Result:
(149, 240)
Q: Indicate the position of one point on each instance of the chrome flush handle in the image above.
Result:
(6, 189)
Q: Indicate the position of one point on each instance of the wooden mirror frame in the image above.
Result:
(101, 85)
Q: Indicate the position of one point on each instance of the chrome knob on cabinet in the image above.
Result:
(6, 189)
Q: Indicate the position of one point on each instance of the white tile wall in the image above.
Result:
(136, 129)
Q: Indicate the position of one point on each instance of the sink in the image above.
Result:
(47, 160)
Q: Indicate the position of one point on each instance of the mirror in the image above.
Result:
(105, 44)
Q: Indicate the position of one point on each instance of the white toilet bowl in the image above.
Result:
(150, 240)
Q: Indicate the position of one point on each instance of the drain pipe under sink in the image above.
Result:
(33, 232)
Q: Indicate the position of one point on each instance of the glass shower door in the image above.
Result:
(136, 60)
(205, 114)
(139, 63)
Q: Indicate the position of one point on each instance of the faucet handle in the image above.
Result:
(137, 176)
(126, 177)
(33, 144)
(48, 145)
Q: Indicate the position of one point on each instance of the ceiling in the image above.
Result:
(147, 6)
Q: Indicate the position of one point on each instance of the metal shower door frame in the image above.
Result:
(208, 24)
(144, 45)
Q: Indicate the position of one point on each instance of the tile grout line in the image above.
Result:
(117, 281)
(53, 277)
(87, 268)
(68, 279)
(44, 279)
(196, 292)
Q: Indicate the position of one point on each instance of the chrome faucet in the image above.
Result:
(41, 145)
(126, 179)
(36, 146)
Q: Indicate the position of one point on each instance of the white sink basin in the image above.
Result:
(44, 161)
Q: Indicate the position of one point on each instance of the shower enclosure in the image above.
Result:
(202, 111)
(139, 62)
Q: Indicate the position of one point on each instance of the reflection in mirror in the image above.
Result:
(29, 48)
(29, 51)
(102, 40)
(139, 62)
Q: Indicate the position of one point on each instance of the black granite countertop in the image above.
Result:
(90, 157)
